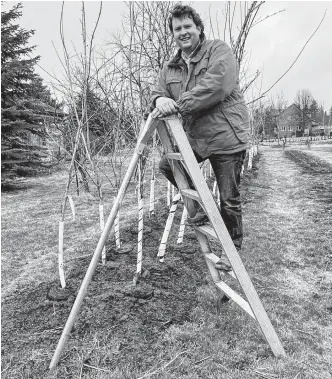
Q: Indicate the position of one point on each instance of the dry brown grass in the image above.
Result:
(183, 331)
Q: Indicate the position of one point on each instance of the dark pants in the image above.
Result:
(227, 169)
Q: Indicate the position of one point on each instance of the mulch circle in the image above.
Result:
(125, 249)
(57, 293)
(146, 230)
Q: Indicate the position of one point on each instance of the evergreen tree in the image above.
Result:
(313, 109)
(25, 102)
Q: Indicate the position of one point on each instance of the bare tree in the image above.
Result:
(304, 101)
(140, 51)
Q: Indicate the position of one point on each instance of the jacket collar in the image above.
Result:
(198, 54)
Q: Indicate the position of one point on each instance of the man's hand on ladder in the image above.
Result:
(164, 107)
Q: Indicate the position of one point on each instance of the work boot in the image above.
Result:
(200, 218)
(223, 264)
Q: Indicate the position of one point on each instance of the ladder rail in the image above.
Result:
(211, 208)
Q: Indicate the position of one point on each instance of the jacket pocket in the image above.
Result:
(238, 118)
(200, 70)
(174, 87)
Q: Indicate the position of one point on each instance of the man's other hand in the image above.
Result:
(164, 107)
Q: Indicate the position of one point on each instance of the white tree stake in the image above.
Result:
(72, 206)
(168, 193)
(250, 159)
(140, 232)
(242, 170)
(214, 190)
(173, 192)
(210, 170)
(102, 225)
(255, 150)
(60, 255)
(162, 247)
(153, 177)
(151, 208)
(117, 230)
(182, 225)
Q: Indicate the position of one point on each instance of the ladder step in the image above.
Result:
(192, 194)
(235, 297)
(207, 230)
(175, 156)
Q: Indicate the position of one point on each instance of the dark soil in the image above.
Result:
(114, 307)
(115, 312)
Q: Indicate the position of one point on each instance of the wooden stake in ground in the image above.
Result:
(182, 225)
(169, 222)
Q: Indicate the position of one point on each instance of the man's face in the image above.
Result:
(186, 34)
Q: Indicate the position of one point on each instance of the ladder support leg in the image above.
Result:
(146, 132)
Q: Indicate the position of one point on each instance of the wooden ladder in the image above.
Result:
(184, 160)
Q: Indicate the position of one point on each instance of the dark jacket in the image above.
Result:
(210, 101)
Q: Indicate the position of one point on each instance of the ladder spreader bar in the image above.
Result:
(235, 297)
(175, 156)
(208, 231)
(192, 194)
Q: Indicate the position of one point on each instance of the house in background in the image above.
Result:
(292, 122)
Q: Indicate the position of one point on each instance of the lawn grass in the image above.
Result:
(181, 330)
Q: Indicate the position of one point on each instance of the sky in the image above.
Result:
(272, 44)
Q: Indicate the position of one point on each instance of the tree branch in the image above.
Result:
(298, 56)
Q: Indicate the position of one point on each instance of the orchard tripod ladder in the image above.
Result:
(180, 161)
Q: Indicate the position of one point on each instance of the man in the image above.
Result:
(201, 83)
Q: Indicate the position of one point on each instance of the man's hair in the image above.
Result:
(183, 11)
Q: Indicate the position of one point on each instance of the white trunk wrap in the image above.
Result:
(182, 225)
(60, 255)
(162, 247)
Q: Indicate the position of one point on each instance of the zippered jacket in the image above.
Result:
(209, 98)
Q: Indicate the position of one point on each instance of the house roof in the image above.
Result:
(299, 109)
